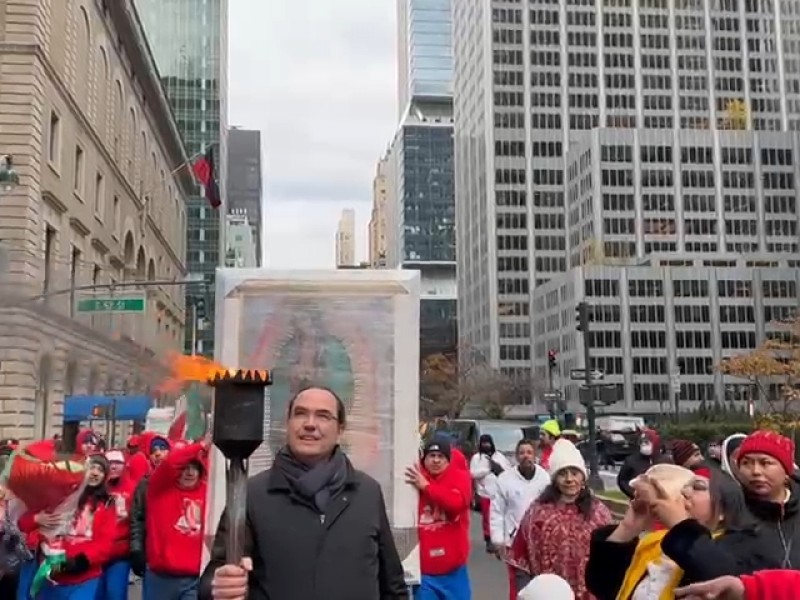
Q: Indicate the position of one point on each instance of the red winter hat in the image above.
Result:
(683, 450)
(770, 443)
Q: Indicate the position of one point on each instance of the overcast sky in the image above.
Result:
(318, 78)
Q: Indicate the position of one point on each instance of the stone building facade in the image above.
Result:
(101, 200)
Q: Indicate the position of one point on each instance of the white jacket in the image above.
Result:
(513, 496)
(481, 471)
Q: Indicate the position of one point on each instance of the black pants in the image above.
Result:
(8, 586)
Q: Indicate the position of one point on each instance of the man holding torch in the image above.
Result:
(315, 528)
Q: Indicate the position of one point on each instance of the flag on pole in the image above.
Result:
(205, 170)
(189, 422)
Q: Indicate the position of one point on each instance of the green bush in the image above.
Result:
(703, 433)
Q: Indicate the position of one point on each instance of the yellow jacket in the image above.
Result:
(648, 551)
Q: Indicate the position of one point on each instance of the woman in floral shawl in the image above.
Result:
(554, 534)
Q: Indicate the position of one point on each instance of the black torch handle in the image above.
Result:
(236, 492)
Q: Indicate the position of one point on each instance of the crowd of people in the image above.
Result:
(140, 511)
(726, 525)
(721, 526)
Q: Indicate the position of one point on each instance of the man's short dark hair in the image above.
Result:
(341, 411)
(525, 442)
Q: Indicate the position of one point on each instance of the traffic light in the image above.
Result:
(582, 317)
(200, 308)
(100, 411)
(552, 355)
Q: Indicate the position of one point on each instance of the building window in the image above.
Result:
(99, 194)
(54, 141)
(78, 175)
(116, 216)
(49, 251)
(73, 278)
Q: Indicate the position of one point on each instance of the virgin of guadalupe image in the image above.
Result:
(309, 355)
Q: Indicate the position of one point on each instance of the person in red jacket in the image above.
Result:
(88, 543)
(114, 583)
(48, 450)
(175, 516)
(87, 443)
(763, 585)
(445, 491)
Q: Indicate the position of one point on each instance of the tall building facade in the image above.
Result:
(421, 202)
(189, 42)
(660, 330)
(532, 78)
(424, 50)
(689, 260)
(101, 200)
(346, 239)
(244, 182)
(377, 220)
(242, 250)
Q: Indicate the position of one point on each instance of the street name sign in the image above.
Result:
(580, 375)
(127, 304)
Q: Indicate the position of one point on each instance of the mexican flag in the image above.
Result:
(190, 422)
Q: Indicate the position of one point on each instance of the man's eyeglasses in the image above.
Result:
(321, 416)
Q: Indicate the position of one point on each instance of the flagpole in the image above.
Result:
(178, 169)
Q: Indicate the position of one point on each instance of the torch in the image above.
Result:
(238, 430)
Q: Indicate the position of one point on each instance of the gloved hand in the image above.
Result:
(138, 564)
(76, 565)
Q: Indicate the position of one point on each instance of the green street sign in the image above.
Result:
(116, 305)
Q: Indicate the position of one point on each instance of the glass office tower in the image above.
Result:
(425, 52)
(421, 211)
(188, 39)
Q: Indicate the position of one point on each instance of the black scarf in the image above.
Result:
(318, 483)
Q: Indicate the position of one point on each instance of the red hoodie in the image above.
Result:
(139, 465)
(91, 535)
(771, 585)
(175, 516)
(81, 439)
(444, 519)
(121, 491)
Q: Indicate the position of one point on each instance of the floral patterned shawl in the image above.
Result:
(554, 538)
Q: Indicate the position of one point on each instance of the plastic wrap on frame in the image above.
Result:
(356, 332)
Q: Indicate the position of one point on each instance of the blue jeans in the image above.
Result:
(79, 591)
(452, 586)
(26, 573)
(165, 587)
(114, 582)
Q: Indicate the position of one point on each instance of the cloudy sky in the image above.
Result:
(318, 78)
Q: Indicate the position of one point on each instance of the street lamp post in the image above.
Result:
(583, 317)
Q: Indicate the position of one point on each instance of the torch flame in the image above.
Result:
(199, 369)
(189, 369)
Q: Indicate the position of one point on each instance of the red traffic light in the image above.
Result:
(552, 354)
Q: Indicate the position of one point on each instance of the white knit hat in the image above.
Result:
(547, 587)
(565, 455)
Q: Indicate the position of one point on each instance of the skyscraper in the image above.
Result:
(346, 239)
(420, 209)
(424, 51)
(532, 78)
(377, 220)
(244, 181)
(189, 42)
